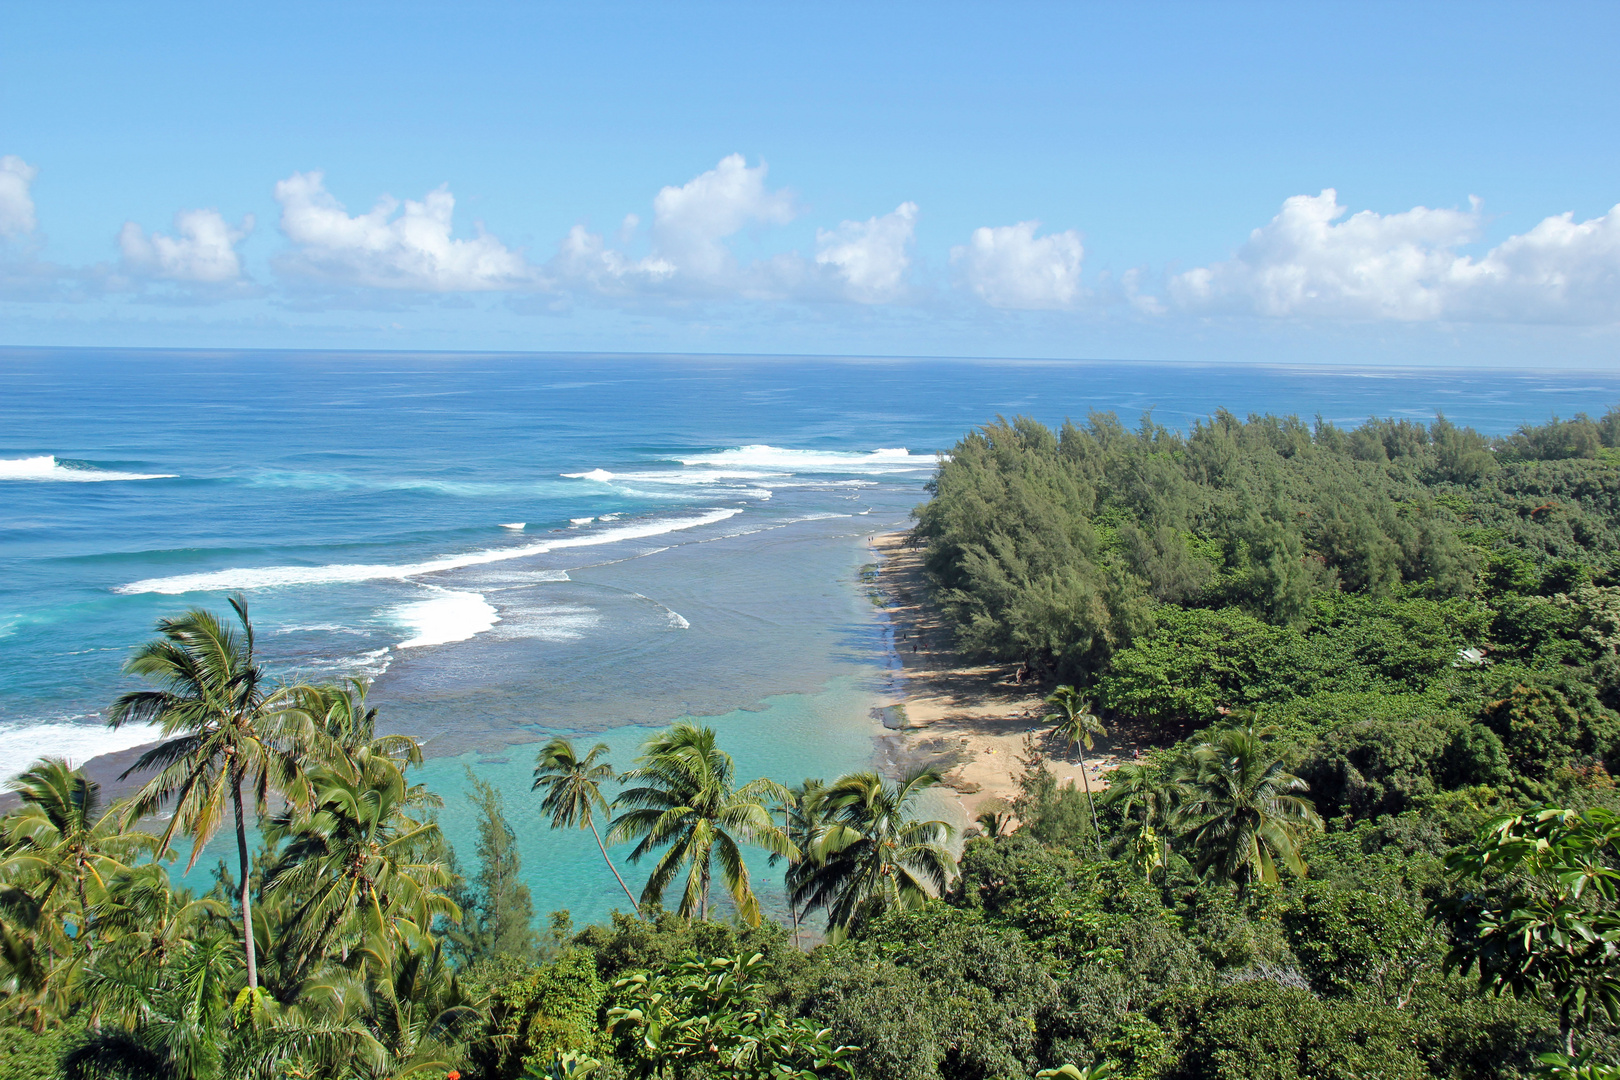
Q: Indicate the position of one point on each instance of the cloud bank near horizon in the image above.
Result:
(1314, 262)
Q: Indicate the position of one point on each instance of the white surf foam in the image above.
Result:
(515, 526)
(446, 617)
(46, 467)
(550, 622)
(77, 738)
(685, 477)
(369, 666)
(266, 577)
(897, 459)
(581, 521)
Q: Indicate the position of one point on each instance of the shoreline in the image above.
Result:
(968, 720)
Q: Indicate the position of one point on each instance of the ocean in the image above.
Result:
(510, 546)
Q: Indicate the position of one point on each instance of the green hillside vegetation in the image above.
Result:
(1376, 837)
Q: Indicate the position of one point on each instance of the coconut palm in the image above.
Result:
(870, 854)
(167, 1022)
(357, 864)
(146, 918)
(415, 1008)
(685, 799)
(1146, 801)
(223, 727)
(1242, 810)
(801, 817)
(62, 841)
(994, 816)
(340, 714)
(1075, 724)
(573, 787)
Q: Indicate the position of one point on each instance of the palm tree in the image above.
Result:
(686, 799)
(415, 1007)
(1145, 800)
(173, 1021)
(61, 838)
(994, 815)
(222, 727)
(801, 817)
(357, 864)
(1240, 805)
(339, 713)
(573, 787)
(148, 918)
(870, 853)
(1075, 723)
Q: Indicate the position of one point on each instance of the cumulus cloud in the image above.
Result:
(203, 249)
(413, 250)
(1405, 266)
(16, 201)
(1010, 267)
(1560, 271)
(870, 257)
(691, 224)
(584, 257)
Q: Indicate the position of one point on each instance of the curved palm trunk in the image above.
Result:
(246, 885)
(1085, 778)
(793, 908)
(635, 905)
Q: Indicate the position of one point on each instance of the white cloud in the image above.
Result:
(691, 222)
(203, 248)
(1010, 267)
(584, 256)
(1370, 265)
(870, 257)
(411, 251)
(1559, 271)
(16, 203)
(1405, 266)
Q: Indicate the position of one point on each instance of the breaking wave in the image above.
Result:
(267, 577)
(762, 456)
(46, 467)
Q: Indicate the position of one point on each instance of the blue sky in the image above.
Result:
(1357, 183)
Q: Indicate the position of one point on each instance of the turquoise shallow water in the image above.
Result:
(516, 545)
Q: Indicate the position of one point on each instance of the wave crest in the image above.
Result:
(762, 456)
(267, 577)
(46, 467)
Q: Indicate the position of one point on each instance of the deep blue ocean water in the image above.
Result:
(516, 545)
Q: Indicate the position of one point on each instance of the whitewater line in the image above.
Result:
(267, 577)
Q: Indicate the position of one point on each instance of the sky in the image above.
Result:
(1220, 182)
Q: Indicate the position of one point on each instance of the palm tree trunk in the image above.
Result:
(246, 884)
(1086, 780)
(84, 915)
(793, 909)
(635, 905)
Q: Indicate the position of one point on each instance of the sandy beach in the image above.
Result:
(968, 720)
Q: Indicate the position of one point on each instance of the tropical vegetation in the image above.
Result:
(1371, 829)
